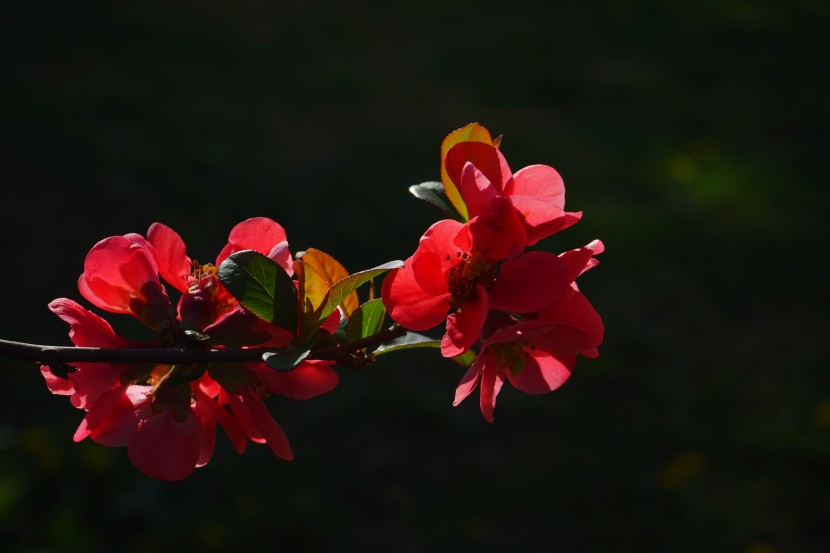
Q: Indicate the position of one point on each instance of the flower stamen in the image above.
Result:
(471, 270)
(198, 273)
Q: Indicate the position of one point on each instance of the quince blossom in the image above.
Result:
(166, 416)
(537, 192)
(473, 268)
(536, 352)
(121, 276)
(165, 439)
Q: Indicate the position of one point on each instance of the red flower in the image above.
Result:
(537, 352)
(537, 192)
(120, 276)
(164, 439)
(242, 386)
(472, 267)
(166, 416)
(90, 380)
(207, 307)
(159, 444)
(204, 300)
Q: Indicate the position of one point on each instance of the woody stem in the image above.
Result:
(55, 355)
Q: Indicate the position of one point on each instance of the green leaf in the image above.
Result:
(433, 192)
(412, 340)
(366, 320)
(285, 360)
(409, 340)
(262, 286)
(351, 283)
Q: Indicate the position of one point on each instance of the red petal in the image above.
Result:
(58, 386)
(491, 383)
(580, 260)
(542, 373)
(529, 283)
(464, 327)
(207, 445)
(92, 380)
(281, 254)
(563, 340)
(259, 233)
(241, 412)
(307, 380)
(408, 304)
(274, 435)
(332, 322)
(86, 329)
(488, 159)
(470, 380)
(171, 255)
(542, 219)
(208, 410)
(498, 233)
(476, 190)
(113, 418)
(540, 181)
(574, 310)
(116, 271)
(239, 327)
(167, 449)
(435, 255)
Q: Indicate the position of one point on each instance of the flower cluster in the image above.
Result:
(166, 415)
(521, 309)
(510, 313)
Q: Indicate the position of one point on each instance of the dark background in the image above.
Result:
(693, 136)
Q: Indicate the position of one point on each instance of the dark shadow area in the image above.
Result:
(694, 138)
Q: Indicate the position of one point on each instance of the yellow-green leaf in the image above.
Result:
(469, 133)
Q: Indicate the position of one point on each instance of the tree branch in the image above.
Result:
(55, 355)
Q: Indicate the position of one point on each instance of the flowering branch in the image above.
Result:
(261, 321)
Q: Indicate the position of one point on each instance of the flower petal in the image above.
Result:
(86, 329)
(240, 407)
(112, 419)
(171, 255)
(498, 233)
(464, 327)
(470, 380)
(541, 182)
(574, 311)
(116, 270)
(435, 255)
(582, 259)
(476, 190)
(540, 218)
(488, 159)
(258, 233)
(239, 327)
(120, 275)
(307, 380)
(57, 385)
(529, 283)
(271, 431)
(408, 304)
(165, 448)
(92, 380)
(492, 379)
(210, 412)
(281, 255)
(542, 372)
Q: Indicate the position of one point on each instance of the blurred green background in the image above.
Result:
(695, 138)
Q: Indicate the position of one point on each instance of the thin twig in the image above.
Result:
(53, 355)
